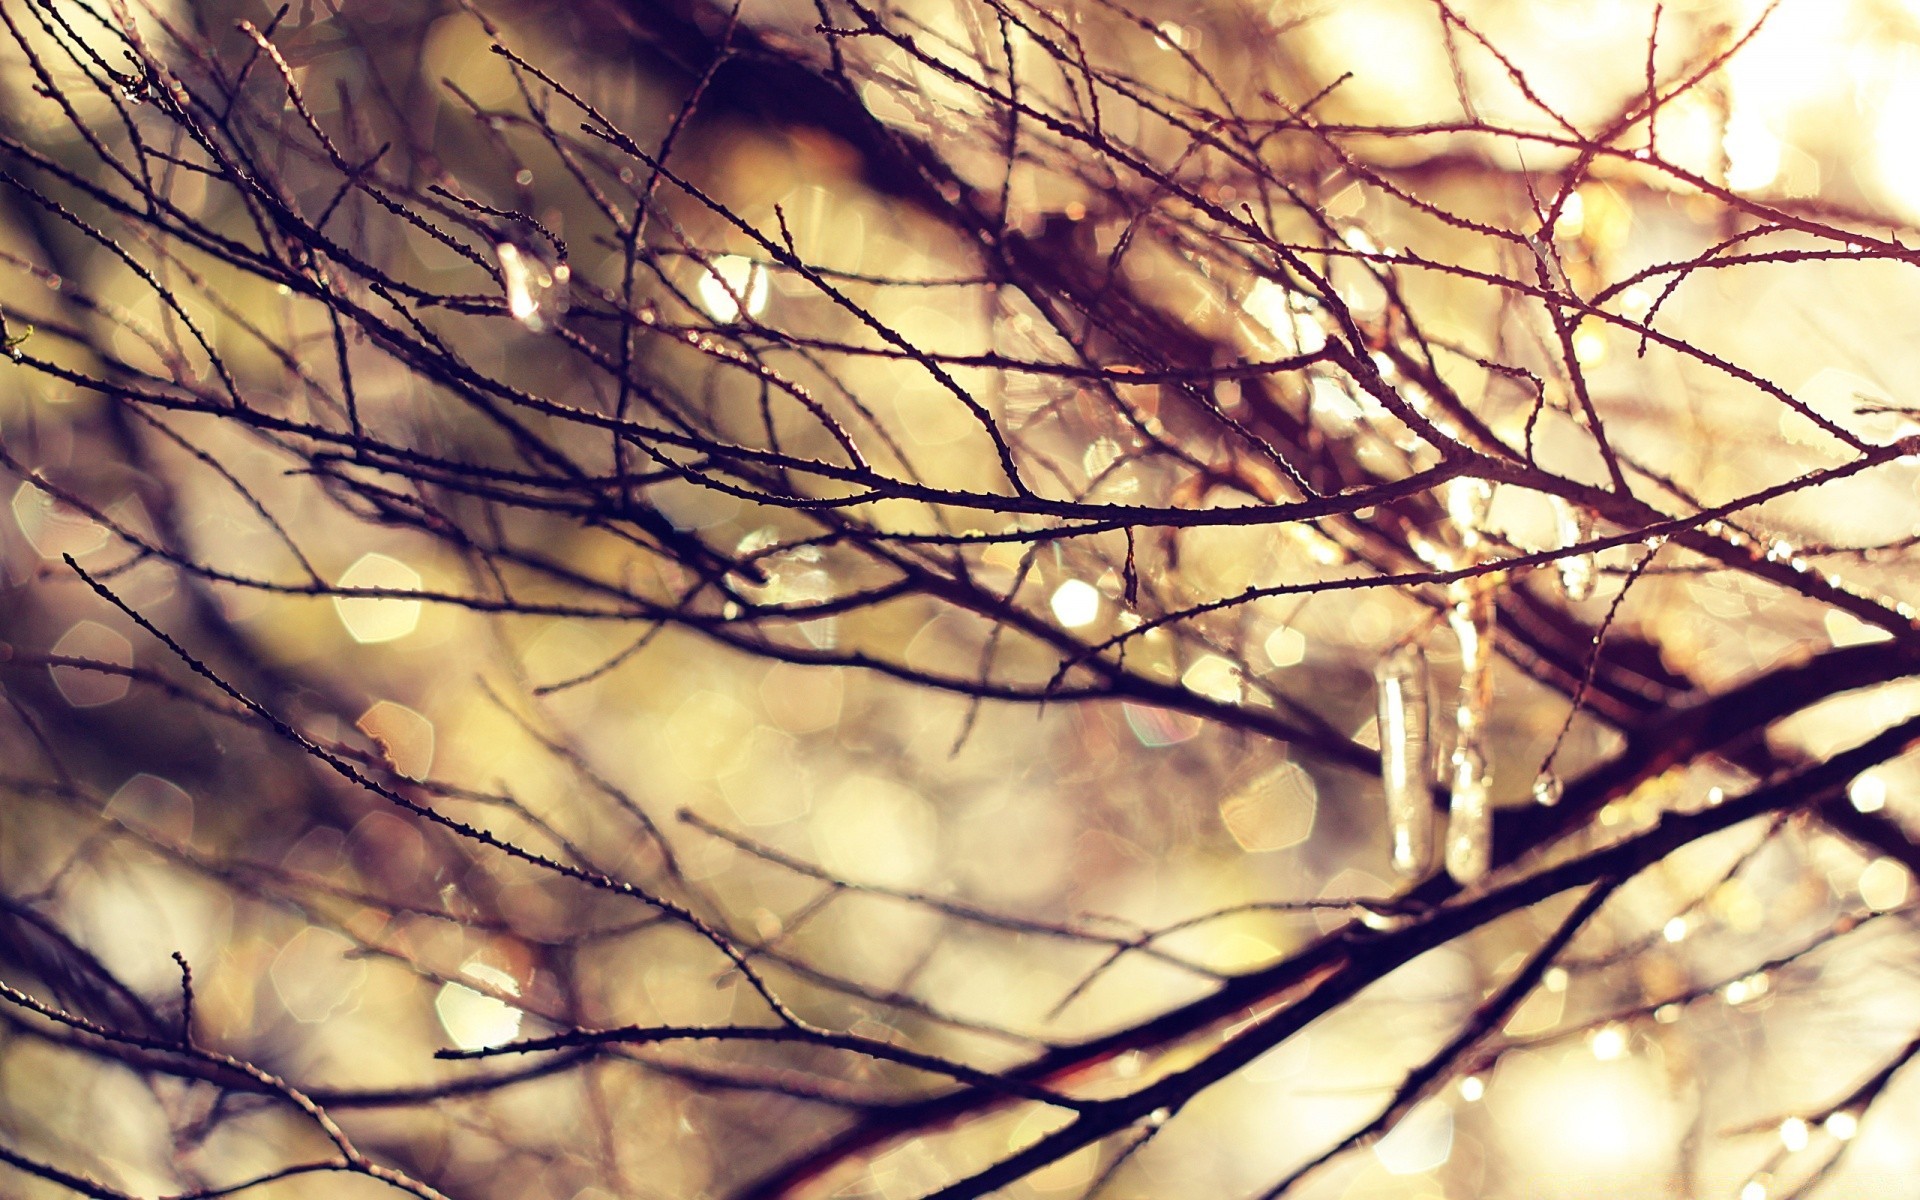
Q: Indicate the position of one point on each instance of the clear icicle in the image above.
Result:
(1404, 759)
(1470, 816)
(1576, 571)
(537, 291)
(1469, 502)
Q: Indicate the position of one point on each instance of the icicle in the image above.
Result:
(537, 291)
(1576, 570)
(1404, 760)
(1469, 502)
(1470, 816)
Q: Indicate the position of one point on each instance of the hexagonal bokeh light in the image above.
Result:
(372, 619)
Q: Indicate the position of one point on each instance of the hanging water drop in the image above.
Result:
(1548, 789)
(1383, 920)
(537, 291)
(1404, 760)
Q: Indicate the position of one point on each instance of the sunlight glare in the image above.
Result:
(1897, 115)
(475, 1020)
(1076, 603)
(733, 284)
(1753, 153)
(1288, 316)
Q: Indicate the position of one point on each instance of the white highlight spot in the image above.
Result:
(537, 291)
(1609, 1043)
(1076, 603)
(1867, 793)
(1215, 678)
(474, 1020)
(378, 618)
(1793, 1135)
(731, 286)
(1288, 316)
(1753, 153)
